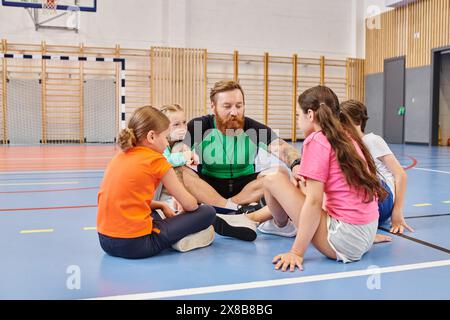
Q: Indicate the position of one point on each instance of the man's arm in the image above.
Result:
(284, 151)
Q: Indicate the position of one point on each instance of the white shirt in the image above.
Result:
(378, 148)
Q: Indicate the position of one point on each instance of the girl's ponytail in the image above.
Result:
(142, 120)
(127, 139)
(359, 173)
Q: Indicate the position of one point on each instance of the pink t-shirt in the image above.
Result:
(343, 203)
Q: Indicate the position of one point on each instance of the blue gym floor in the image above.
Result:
(47, 230)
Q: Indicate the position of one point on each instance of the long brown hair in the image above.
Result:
(355, 111)
(142, 120)
(359, 173)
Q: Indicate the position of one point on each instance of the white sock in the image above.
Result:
(231, 205)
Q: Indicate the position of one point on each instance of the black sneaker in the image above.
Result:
(262, 202)
(244, 209)
(235, 226)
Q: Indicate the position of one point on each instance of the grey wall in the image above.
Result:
(444, 99)
(418, 105)
(375, 103)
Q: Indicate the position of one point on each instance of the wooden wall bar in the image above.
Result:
(411, 31)
(162, 75)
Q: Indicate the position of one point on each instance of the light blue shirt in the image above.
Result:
(176, 159)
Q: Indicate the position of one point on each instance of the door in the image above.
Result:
(394, 100)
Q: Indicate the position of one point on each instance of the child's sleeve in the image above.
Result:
(315, 163)
(159, 167)
(378, 147)
(176, 159)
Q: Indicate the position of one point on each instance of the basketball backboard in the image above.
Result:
(64, 5)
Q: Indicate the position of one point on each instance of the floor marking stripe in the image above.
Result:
(422, 205)
(48, 208)
(36, 231)
(414, 163)
(49, 190)
(52, 183)
(448, 201)
(273, 283)
(439, 171)
(419, 241)
(45, 172)
(429, 216)
(89, 228)
(54, 158)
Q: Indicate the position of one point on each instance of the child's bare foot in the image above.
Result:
(381, 238)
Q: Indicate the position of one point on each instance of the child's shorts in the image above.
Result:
(350, 241)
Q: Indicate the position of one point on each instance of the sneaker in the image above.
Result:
(196, 240)
(269, 227)
(235, 226)
(262, 202)
(244, 209)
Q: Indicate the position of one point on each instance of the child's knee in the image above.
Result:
(273, 177)
(208, 212)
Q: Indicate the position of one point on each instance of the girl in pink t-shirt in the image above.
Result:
(334, 165)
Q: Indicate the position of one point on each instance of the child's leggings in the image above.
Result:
(170, 231)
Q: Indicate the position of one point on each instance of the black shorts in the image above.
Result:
(228, 188)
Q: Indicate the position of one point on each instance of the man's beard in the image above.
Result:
(229, 123)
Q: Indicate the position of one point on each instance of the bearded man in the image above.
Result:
(227, 143)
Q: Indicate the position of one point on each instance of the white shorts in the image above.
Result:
(350, 241)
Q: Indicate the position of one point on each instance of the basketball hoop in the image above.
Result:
(49, 6)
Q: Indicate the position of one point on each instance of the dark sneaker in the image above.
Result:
(244, 209)
(235, 226)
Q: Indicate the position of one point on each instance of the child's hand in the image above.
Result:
(294, 181)
(195, 159)
(302, 184)
(177, 205)
(188, 157)
(288, 260)
(398, 223)
(168, 212)
(296, 172)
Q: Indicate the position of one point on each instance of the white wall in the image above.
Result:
(365, 9)
(282, 27)
(135, 23)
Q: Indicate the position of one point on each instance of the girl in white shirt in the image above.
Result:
(391, 173)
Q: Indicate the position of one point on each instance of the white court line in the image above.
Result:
(50, 171)
(39, 183)
(273, 283)
(439, 171)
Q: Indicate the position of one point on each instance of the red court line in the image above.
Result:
(414, 163)
(50, 190)
(48, 208)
